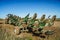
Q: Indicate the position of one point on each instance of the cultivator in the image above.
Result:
(31, 25)
(13, 20)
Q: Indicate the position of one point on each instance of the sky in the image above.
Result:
(23, 7)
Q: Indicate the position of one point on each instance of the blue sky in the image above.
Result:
(23, 7)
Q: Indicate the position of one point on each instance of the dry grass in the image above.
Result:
(6, 33)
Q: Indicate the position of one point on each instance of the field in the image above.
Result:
(7, 33)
